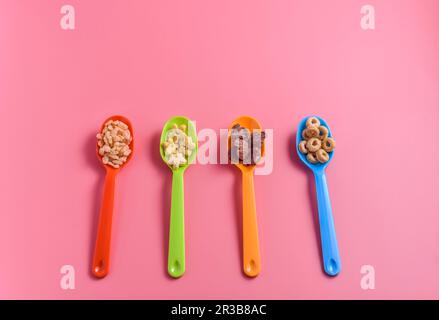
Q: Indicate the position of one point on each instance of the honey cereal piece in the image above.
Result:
(312, 122)
(323, 132)
(177, 147)
(328, 144)
(303, 134)
(313, 144)
(302, 147)
(312, 132)
(322, 156)
(311, 157)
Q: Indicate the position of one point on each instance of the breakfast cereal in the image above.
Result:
(313, 144)
(322, 156)
(328, 144)
(316, 143)
(311, 157)
(323, 132)
(114, 143)
(302, 147)
(178, 146)
(246, 146)
(312, 122)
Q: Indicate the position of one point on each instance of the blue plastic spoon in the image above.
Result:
(331, 256)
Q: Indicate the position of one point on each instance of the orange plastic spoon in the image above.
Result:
(101, 258)
(250, 239)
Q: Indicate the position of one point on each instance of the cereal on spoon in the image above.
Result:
(246, 146)
(316, 143)
(178, 146)
(114, 143)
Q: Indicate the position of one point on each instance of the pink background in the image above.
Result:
(213, 61)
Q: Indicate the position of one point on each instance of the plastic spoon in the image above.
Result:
(176, 253)
(101, 258)
(250, 239)
(331, 256)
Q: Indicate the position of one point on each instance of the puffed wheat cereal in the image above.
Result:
(113, 143)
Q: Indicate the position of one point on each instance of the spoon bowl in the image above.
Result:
(131, 145)
(191, 132)
(313, 166)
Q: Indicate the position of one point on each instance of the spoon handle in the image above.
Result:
(331, 256)
(176, 254)
(252, 258)
(101, 258)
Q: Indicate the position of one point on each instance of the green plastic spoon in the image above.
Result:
(176, 254)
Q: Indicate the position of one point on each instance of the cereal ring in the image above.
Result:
(302, 147)
(303, 134)
(312, 132)
(313, 144)
(322, 156)
(323, 132)
(312, 122)
(328, 144)
(311, 157)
